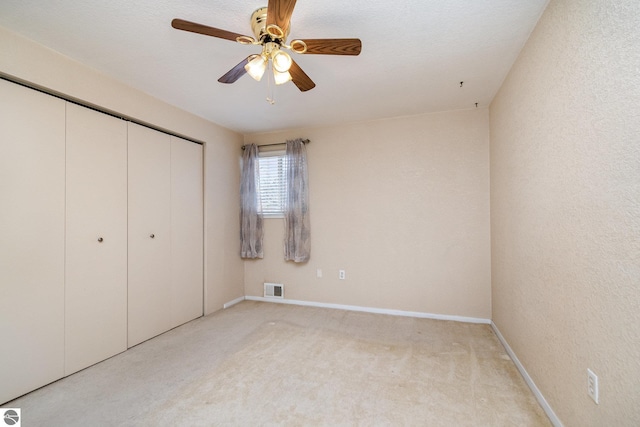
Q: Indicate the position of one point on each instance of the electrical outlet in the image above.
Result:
(592, 385)
(342, 275)
(319, 273)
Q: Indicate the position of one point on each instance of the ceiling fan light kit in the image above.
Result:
(281, 61)
(256, 67)
(270, 26)
(281, 78)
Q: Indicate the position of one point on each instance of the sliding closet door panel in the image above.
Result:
(31, 239)
(186, 231)
(96, 260)
(149, 233)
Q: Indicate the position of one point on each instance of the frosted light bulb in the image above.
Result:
(256, 67)
(281, 61)
(281, 78)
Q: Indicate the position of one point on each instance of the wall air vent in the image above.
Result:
(273, 290)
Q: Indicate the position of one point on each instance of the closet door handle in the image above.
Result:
(100, 239)
(152, 236)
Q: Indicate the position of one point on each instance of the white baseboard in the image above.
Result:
(372, 310)
(534, 389)
(232, 303)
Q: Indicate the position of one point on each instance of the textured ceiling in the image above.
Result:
(414, 54)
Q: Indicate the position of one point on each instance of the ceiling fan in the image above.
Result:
(271, 27)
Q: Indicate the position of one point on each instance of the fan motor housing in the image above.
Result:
(259, 24)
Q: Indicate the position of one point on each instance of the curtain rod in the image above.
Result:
(304, 141)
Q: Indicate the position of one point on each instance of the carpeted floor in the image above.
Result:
(274, 364)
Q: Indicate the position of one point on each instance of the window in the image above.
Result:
(273, 173)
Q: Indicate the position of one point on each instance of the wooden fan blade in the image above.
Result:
(333, 46)
(300, 78)
(181, 24)
(279, 13)
(236, 72)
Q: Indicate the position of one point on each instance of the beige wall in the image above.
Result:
(37, 65)
(402, 205)
(565, 209)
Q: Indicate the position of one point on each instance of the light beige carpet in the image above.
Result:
(274, 364)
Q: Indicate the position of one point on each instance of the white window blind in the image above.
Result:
(272, 169)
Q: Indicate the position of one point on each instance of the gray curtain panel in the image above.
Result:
(297, 236)
(251, 219)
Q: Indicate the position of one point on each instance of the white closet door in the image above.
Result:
(149, 233)
(31, 239)
(186, 231)
(96, 259)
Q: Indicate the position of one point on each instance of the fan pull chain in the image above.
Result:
(271, 83)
